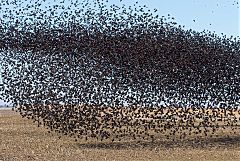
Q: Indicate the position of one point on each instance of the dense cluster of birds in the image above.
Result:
(90, 69)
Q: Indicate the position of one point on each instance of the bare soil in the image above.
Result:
(21, 139)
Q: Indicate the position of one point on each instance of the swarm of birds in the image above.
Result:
(88, 69)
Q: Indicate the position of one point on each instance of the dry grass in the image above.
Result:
(20, 139)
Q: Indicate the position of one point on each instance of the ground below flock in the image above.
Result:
(21, 139)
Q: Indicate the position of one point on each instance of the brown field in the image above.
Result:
(21, 139)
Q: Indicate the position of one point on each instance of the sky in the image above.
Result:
(219, 16)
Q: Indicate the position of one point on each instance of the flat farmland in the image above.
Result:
(21, 139)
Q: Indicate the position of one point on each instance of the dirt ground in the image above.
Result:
(21, 139)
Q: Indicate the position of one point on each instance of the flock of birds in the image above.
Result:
(89, 70)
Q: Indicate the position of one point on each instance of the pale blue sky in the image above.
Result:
(221, 16)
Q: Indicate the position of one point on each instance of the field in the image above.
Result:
(21, 139)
